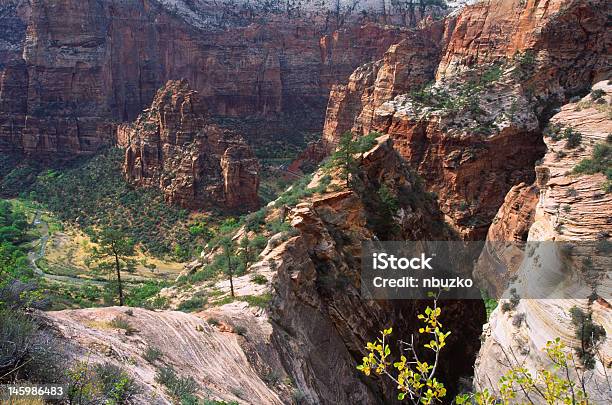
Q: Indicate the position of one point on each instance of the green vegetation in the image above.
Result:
(67, 295)
(300, 190)
(462, 95)
(259, 279)
(102, 383)
(512, 303)
(180, 388)
(146, 295)
(573, 138)
(213, 322)
(27, 353)
(590, 335)
(233, 258)
(261, 301)
(597, 94)
(389, 203)
(524, 63)
(550, 385)
(556, 132)
(415, 379)
(152, 354)
(490, 303)
(113, 252)
(121, 322)
(599, 162)
(417, 384)
(228, 247)
(93, 192)
(15, 176)
(344, 156)
(193, 304)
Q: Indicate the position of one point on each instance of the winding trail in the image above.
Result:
(39, 253)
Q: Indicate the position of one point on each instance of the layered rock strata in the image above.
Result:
(172, 146)
(321, 320)
(574, 207)
(84, 65)
(475, 131)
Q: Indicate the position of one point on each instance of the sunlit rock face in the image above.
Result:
(495, 72)
(173, 146)
(570, 207)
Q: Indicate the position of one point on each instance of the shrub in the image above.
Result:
(553, 131)
(256, 219)
(92, 191)
(181, 388)
(152, 354)
(517, 320)
(121, 322)
(512, 303)
(277, 226)
(241, 330)
(259, 279)
(261, 301)
(104, 383)
(272, 377)
(259, 242)
(573, 138)
(193, 304)
(597, 94)
(589, 334)
(298, 396)
(117, 386)
(145, 294)
(26, 352)
(600, 161)
(213, 321)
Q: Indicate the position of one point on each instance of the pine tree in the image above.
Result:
(113, 252)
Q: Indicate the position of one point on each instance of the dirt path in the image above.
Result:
(39, 253)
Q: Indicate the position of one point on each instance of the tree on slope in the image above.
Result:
(113, 253)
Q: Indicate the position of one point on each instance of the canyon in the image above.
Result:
(470, 115)
(562, 206)
(475, 133)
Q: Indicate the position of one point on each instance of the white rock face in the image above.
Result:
(575, 208)
(212, 355)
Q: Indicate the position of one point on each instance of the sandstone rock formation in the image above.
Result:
(219, 361)
(84, 65)
(321, 321)
(474, 132)
(196, 164)
(571, 207)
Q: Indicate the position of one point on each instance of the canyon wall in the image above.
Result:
(173, 146)
(72, 69)
(475, 130)
(321, 320)
(572, 207)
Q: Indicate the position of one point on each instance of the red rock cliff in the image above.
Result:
(88, 64)
(475, 131)
(196, 164)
